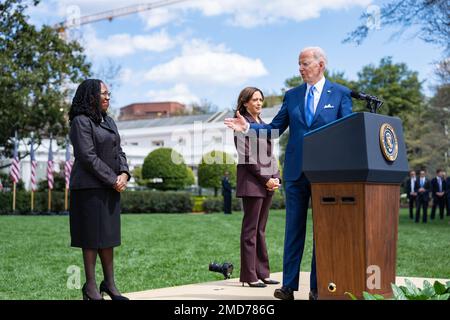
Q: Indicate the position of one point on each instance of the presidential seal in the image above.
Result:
(388, 142)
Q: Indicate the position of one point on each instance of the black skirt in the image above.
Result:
(95, 218)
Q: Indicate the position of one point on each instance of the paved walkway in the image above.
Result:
(232, 290)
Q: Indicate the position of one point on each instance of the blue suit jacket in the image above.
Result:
(292, 115)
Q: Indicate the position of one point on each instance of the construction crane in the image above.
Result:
(111, 14)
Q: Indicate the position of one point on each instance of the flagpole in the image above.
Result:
(49, 199)
(32, 200)
(14, 197)
(66, 196)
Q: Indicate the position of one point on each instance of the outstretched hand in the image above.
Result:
(237, 124)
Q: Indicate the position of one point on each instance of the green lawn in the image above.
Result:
(161, 250)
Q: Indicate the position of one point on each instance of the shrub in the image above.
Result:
(167, 165)
(212, 168)
(437, 291)
(156, 202)
(23, 202)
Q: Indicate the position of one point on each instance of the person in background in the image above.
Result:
(411, 192)
(438, 193)
(423, 196)
(226, 193)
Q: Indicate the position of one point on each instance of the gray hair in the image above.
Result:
(318, 54)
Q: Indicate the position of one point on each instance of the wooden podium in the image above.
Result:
(355, 166)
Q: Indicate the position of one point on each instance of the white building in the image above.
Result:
(191, 136)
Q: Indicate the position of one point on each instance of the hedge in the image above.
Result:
(215, 204)
(131, 202)
(23, 202)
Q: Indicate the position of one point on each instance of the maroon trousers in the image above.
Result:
(254, 257)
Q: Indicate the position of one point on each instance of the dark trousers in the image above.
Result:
(448, 204)
(412, 204)
(254, 257)
(227, 202)
(438, 202)
(422, 204)
(298, 193)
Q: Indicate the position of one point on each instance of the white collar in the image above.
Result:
(318, 86)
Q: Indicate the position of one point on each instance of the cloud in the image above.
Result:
(248, 13)
(179, 93)
(119, 45)
(203, 62)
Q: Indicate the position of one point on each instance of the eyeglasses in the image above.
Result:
(106, 93)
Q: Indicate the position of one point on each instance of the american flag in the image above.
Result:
(33, 166)
(15, 165)
(50, 167)
(68, 164)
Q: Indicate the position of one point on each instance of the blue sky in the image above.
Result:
(211, 49)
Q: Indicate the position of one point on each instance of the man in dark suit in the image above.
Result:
(411, 192)
(447, 192)
(423, 196)
(309, 106)
(226, 192)
(438, 194)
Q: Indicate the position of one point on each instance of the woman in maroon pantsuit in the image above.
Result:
(257, 178)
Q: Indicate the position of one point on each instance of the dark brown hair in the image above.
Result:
(244, 97)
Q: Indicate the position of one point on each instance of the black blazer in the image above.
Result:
(426, 194)
(99, 158)
(435, 187)
(408, 188)
(226, 186)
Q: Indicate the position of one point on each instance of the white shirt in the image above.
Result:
(413, 182)
(318, 88)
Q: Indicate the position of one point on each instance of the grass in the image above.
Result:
(161, 250)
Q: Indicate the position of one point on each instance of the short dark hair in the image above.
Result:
(87, 100)
(439, 170)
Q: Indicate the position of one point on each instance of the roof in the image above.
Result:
(182, 120)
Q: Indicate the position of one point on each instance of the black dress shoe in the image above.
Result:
(313, 294)
(270, 281)
(104, 289)
(255, 284)
(284, 293)
(85, 294)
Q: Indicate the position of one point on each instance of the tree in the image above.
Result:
(430, 18)
(212, 168)
(395, 84)
(37, 69)
(164, 169)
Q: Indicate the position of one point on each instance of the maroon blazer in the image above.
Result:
(256, 163)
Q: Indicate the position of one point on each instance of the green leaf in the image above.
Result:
(352, 296)
(368, 296)
(398, 292)
(439, 288)
(447, 284)
(378, 297)
(412, 289)
(442, 297)
(428, 291)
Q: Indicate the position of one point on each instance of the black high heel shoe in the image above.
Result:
(270, 281)
(85, 294)
(104, 289)
(255, 284)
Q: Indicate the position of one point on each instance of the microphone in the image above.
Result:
(373, 103)
(363, 96)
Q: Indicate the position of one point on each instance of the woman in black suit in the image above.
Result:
(100, 173)
(257, 178)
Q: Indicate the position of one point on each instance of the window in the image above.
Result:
(158, 143)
